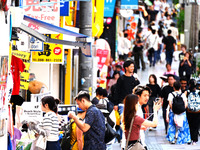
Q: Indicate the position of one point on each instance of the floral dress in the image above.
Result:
(183, 133)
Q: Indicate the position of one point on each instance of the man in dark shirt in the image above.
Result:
(94, 125)
(152, 14)
(164, 94)
(170, 46)
(99, 95)
(125, 85)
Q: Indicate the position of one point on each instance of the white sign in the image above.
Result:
(36, 45)
(32, 111)
(47, 13)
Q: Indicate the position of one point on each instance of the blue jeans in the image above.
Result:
(169, 56)
(155, 57)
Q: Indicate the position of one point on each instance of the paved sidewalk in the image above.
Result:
(156, 140)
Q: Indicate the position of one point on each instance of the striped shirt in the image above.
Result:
(51, 125)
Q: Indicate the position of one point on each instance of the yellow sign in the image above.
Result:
(24, 75)
(97, 17)
(21, 55)
(24, 85)
(53, 53)
(27, 65)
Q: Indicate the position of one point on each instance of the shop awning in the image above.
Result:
(54, 28)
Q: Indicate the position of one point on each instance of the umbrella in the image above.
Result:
(165, 77)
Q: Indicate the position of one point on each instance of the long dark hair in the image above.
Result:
(154, 77)
(129, 109)
(51, 101)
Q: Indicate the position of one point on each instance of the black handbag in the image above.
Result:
(110, 133)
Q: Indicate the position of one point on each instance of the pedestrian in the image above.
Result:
(125, 85)
(178, 130)
(169, 71)
(131, 107)
(193, 110)
(77, 138)
(169, 46)
(152, 15)
(185, 66)
(155, 93)
(152, 43)
(94, 124)
(143, 93)
(168, 21)
(174, 30)
(49, 127)
(182, 54)
(164, 95)
(138, 51)
(184, 87)
(113, 81)
(99, 95)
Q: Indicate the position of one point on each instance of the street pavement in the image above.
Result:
(156, 139)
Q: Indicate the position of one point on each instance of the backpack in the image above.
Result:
(178, 105)
(66, 140)
(194, 101)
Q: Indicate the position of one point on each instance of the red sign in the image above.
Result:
(57, 50)
(102, 56)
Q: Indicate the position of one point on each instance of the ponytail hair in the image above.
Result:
(51, 101)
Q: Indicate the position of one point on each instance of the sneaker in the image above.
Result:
(194, 143)
(172, 142)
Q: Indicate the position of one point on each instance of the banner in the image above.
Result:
(53, 53)
(129, 4)
(47, 11)
(131, 26)
(109, 8)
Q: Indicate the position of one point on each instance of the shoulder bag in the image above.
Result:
(137, 145)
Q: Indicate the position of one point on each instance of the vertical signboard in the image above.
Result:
(47, 11)
(109, 6)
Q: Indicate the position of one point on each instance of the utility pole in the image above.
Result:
(194, 29)
(85, 63)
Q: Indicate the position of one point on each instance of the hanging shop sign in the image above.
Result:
(31, 111)
(42, 10)
(53, 53)
(109, 8)
(35, 44)
(21, 55)
(129, 4)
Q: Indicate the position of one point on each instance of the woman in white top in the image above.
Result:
(49, 126)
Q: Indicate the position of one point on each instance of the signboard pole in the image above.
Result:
(85, 63)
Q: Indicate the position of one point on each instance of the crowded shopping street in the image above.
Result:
(99, 75)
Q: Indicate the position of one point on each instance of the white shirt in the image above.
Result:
(170, 96)
(168, 22)
(153, 41)
(157, 5)
(174, 32)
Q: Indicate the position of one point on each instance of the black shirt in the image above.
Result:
(164, 94)
(155, 90)
(169, 41)
(152, 14)
(95, 101)
(124, 86)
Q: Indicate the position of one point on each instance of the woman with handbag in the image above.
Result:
(133, 123)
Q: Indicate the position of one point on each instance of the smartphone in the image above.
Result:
(156, 100)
